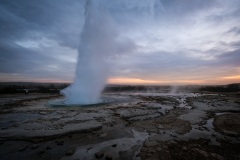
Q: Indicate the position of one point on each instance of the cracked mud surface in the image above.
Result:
(137, 126)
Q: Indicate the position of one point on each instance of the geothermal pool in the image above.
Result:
(104, 100)
(111, 99)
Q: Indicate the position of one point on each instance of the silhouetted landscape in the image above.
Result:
(20, 87)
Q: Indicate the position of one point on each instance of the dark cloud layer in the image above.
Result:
(24, 27)
(158, 39)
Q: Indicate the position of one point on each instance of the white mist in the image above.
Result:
(100, 41)
(97, 44)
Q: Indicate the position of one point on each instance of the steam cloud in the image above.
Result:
(98, 41)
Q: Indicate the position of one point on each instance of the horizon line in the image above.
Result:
(122, 84)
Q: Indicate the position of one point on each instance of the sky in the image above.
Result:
(162, 41)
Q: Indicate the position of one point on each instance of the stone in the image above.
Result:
(23, 148)
(160, 126)
(89, 148)
(103, 135)
(108, 157)
(149, 143)
(37, 140)
(41, 152)
(173, 135)
(59, 143)
(48, 148)
(230, 133)
(114, 145)
(204, 153)
(218, 156)
(99, 155)
(137, 155)
(152, 151)
(70, 151)
(35, 146)
(116, 114)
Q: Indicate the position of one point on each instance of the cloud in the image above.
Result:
(34, 36)
(158, 39)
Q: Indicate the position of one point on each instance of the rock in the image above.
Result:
(59, 143)
(201, 129)
(103, 135)
(184, 148)
(23, 148)
(37, 140)
(160, 126)
(35, 146)
(108, 157)
(70, 151)
(43, 113)
(99, 155)
(148, 155)
(48, 148)
(204, 153)
(41, 152)
(89, 148)
(114, 145)
(230, 133)
(125, 155)
(149, 143)
(116, 114)
(173, 135)
(152, 151)
(218, 156)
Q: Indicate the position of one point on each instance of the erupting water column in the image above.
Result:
(97, 44)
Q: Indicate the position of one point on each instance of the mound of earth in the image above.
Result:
(228, 124)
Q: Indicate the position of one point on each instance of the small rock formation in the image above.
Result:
(70, 151)
(99, 155)
(108, 157)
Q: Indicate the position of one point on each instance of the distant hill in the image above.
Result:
(235, 87)
(31, 87)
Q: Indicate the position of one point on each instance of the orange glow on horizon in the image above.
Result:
(130, 81)
(213, 81)
(223, 80)
(142, 81)
(237, 77)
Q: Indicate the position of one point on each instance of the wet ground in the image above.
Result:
(131, 126)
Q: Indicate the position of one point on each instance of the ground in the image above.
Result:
(146, 125)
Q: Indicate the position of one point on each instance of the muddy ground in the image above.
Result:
(131, 126)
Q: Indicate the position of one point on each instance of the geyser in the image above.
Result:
(96, 45)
